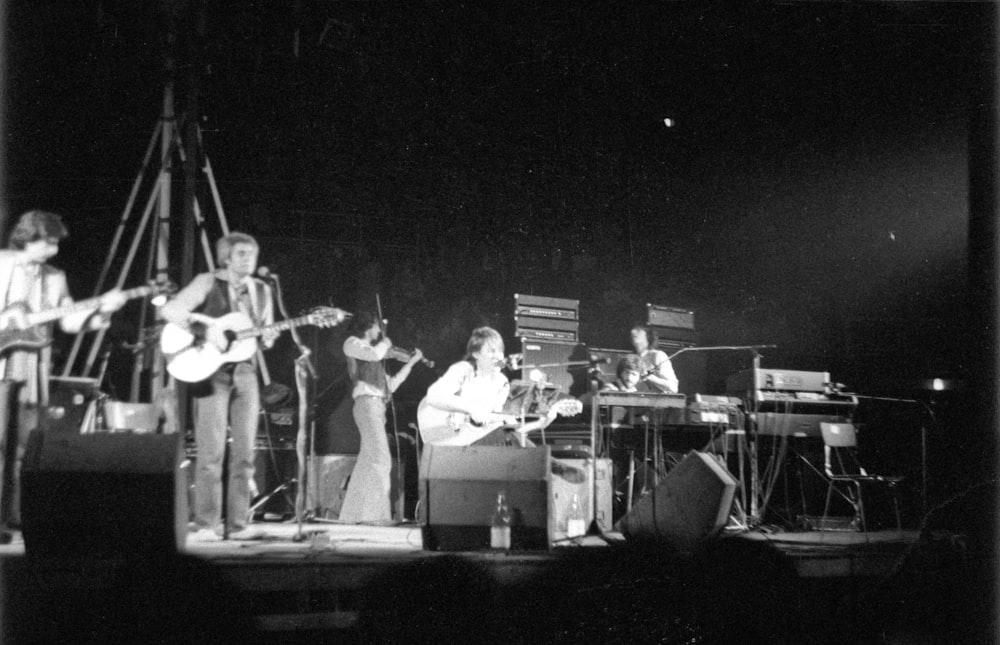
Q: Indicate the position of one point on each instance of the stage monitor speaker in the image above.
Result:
(575, 477)
(458, 493)
(691, 502)
(570, 380)
(103, 495)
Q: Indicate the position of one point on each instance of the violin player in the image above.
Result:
(366, 347)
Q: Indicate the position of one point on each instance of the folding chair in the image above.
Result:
(847, 476)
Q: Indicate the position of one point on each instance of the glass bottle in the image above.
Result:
(500, 524)
(576, 525)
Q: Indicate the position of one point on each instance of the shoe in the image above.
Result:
(205, 535)
(246, 534)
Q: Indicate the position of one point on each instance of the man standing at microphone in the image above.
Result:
(230, 398)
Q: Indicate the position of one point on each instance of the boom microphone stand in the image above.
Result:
(305, 372)
(750, 424)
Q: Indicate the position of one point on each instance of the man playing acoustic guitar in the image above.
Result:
(230, 398)
(28, 284)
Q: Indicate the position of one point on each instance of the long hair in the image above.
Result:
(224, 246)
(361, 323)
(481, 337)
(652, 339)
(36, 225)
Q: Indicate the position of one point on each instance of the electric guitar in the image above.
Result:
(34, 336)
(445, 428)
(196, 352)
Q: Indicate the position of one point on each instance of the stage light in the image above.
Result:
(668, 122)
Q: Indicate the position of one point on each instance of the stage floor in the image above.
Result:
(320, 579)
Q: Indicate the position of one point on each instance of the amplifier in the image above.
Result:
(777, 379)
(560, 324)
(669, 317)
(566, 364)
(543, 312)
(670, 340)
(548, 334)
(544, 307)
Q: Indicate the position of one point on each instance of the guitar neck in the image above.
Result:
(284, 325)
(49, 315)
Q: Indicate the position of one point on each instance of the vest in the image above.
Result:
(373, 373)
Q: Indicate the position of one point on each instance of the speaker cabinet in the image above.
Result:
(327, 483)
(458, 492)
(104, 495)
(690, 503)
(571, 379)
(576, 477)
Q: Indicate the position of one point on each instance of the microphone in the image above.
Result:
(599, 360)
(512, 361)
(265, 274)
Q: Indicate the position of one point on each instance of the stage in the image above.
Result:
(351, 583)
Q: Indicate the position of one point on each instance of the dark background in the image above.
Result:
(818, 190)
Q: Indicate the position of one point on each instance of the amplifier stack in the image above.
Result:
(542, 318)
(674, 327)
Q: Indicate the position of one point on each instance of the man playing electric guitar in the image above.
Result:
(230, 398)
(474, 387)
(29, 284)
(464, 406)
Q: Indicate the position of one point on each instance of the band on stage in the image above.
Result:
(215, 329)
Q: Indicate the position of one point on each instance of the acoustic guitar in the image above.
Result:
(195, 352)
(445, 428)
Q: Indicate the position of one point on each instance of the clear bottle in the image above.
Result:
(500, 524)
(576, 524)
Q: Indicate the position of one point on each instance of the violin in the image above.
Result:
(404, 355)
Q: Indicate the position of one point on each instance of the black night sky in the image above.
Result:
(813, 192)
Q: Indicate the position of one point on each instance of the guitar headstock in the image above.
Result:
(327, 316)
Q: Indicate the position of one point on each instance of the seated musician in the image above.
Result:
(475, 388)
(658, 371)
(628, 378)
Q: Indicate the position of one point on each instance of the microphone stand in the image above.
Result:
(391, 403)
(750, 416)
(304, 372)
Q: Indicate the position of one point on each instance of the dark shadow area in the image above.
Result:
(170, 600)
